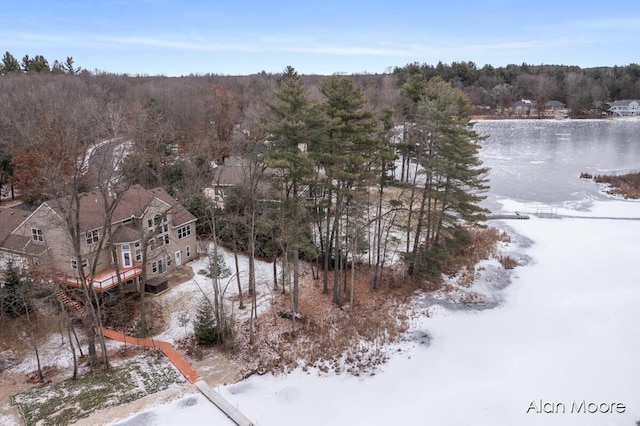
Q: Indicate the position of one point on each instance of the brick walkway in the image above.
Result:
(187, 371)
(174, 356)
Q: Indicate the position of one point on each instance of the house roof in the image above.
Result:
(624, 102)
(181, 215)
(133, 203)
(232, 172)
(22, 244)
(126, 234)
(554, 103)
(533, 103)
(10, 219)
(235, 172)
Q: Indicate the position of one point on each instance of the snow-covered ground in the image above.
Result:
(191, 293)
(191, 410)
(567, 331)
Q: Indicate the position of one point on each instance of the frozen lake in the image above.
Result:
(566, 337)
(541, 160)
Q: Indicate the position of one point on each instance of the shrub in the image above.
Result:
(508, 262)
(206, 329)
(204, 325)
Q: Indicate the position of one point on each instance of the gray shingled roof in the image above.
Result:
(133, 203)
(126, 234)
(9, 221)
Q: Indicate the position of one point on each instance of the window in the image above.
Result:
(159, 220)
(168, 260)
(162, 267)
(188, 251)
(138, 251)
(74, 263)
(160, 230)
(184, 231)
(126, 255)
(36, 234)
(159, 267)
(93, 237)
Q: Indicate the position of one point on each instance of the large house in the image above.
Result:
(626, 107)
(143, 219)
(528, 107)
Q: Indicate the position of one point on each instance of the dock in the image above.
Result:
(516, 215)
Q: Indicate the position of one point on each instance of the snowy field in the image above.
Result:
(567, 332)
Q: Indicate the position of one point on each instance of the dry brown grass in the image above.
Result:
(332, 337)
(507, 261)
(627, 185)
(484, 246)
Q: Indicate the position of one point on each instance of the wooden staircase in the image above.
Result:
(72, 306)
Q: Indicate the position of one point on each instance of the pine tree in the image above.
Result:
(345, 155)
(204, 325)
(9, 64)
(14, 292)
(454, 176)
(289, 132)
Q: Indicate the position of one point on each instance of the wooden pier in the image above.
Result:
(516, 215)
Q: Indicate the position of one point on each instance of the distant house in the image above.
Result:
(142, 218)
(522, 107)
(236, 171)
(626, 107)
(528, 107)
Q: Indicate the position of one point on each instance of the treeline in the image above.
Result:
(38, 64)
(499, 87)
(489, 88)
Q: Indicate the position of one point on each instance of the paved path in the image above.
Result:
(187, 371)
(174, 356)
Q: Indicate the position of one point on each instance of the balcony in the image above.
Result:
(105, 280)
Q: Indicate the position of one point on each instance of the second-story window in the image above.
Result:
(93, 237)
(85, 263)
(138, 251)
(184, 231)
(36, 234)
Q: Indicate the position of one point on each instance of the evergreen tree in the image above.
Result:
(9, 64)
(345, 156)
(37, 64)
(454, 176)
(289, 132)
(68, 66)
(204, 325)
(14, 292)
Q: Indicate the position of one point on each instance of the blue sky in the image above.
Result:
(180, 37)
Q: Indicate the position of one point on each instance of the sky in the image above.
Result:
(182, 37)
